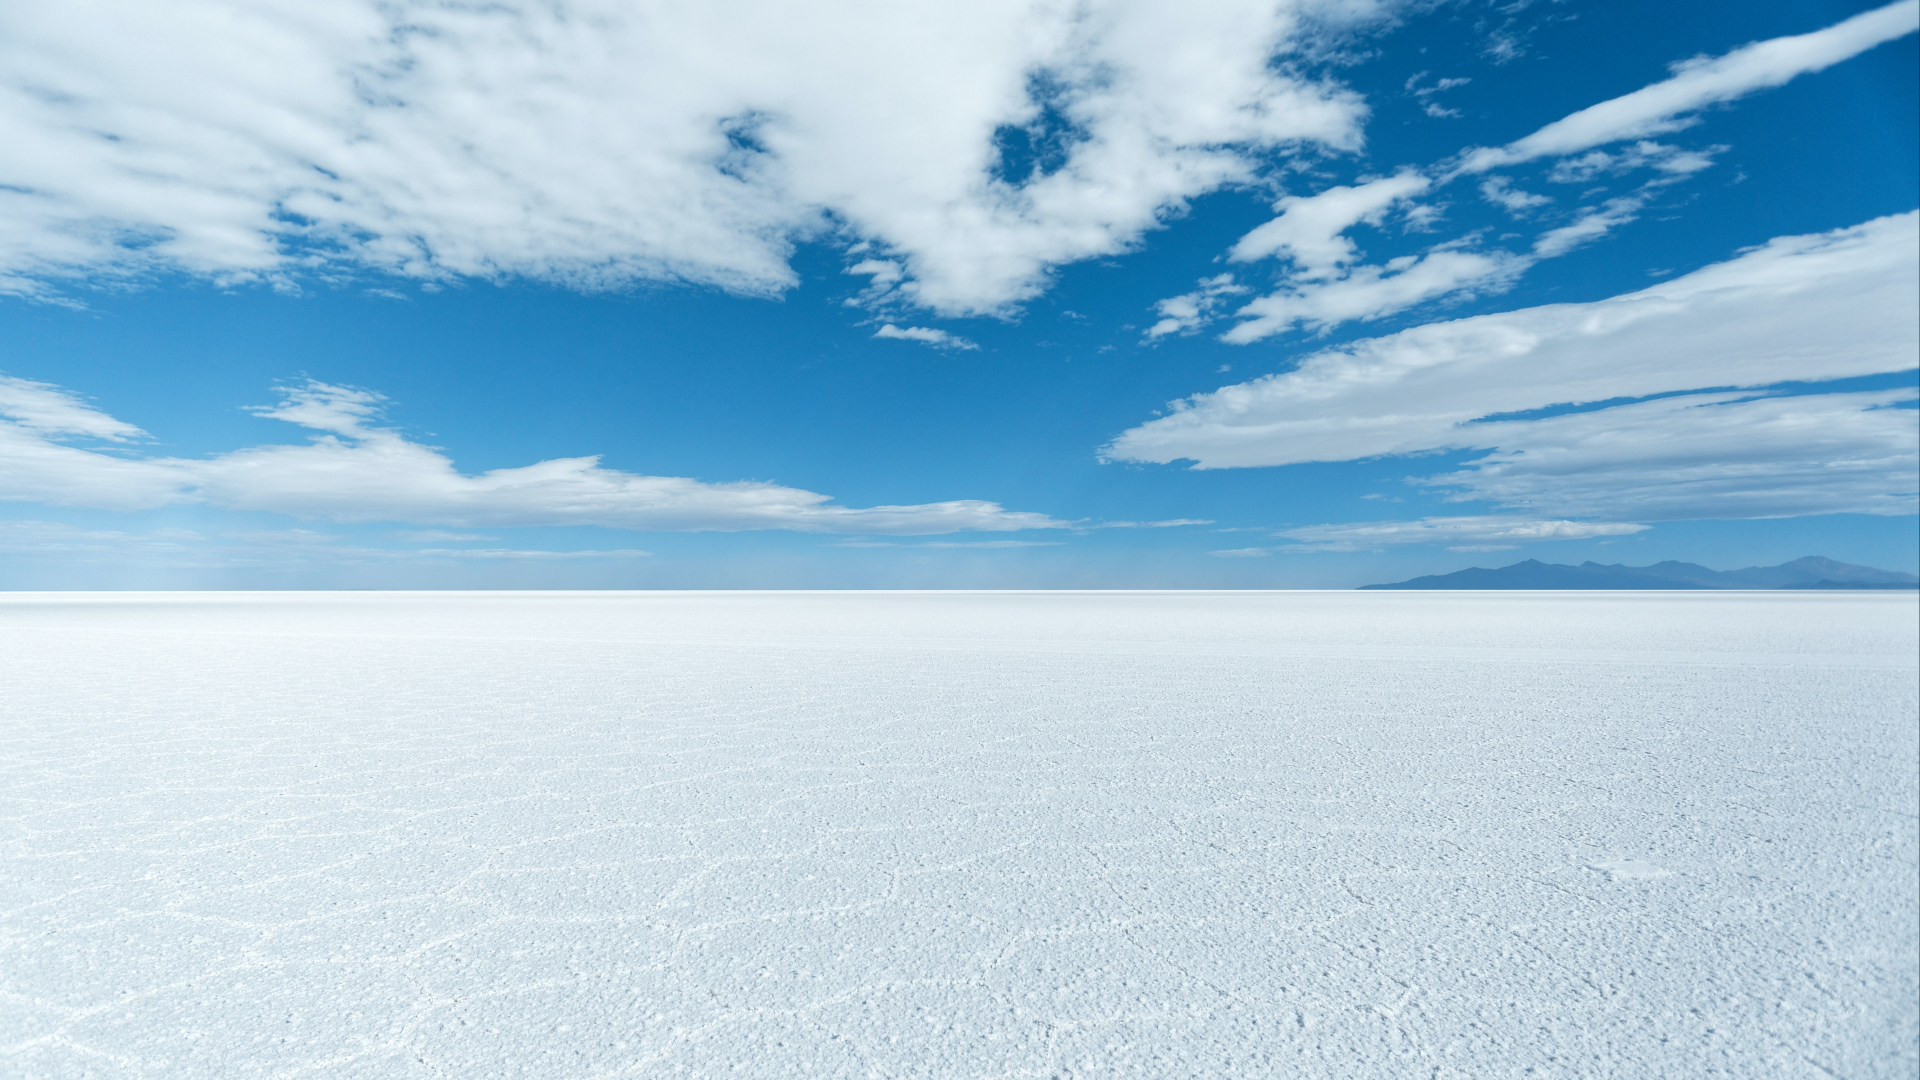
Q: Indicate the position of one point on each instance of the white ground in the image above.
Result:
(950, 835)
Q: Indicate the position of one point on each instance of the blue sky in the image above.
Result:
(627, 296)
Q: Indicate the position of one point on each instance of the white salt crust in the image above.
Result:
(958, 835)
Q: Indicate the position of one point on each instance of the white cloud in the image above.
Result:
(1474, 533)
(885, 273)
(45, 409)
(1505, 44)
(926, 335)
(1671, 160)
(358, 472)
(1310, 228)
(1701, 82)
(1190, 311)
(1372, 292)
(1801, 308)
(296, 537)
(601, 142)
(1594, 222)
(520, 554)
(1499, 190)
(1852, 313)
(948, 544)
(1707, 455)
(1424, 94)
(1169, 523)
(36, 467)
(1241, 553)
(1590, 226)
(439, 536)
(1322, 288)
(988, 543)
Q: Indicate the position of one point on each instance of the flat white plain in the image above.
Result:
(958, 834)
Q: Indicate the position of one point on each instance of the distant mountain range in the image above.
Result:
(1812, 572)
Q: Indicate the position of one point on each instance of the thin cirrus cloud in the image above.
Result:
(1480, 532)
(1700, 82)
(185, 548)
(925, 335)
(1809, 308)
(516, 554)
(989, 544)
(356, 471)
(440, 536)
(1322, 287)
(599, 143)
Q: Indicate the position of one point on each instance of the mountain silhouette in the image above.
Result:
(1812, 572)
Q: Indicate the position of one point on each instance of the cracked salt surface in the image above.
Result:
(953, 835)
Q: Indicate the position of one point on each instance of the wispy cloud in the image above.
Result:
(439, 536)
(520, 554)
(947, 544)
(1703, 81)
(1671, 160)
(1324, 284)
(1798, 309)
(939, 339)
(1190, 311)
(1499, 190)
(356, 470)
(1366, 293)
(43, 409)
(1590, 226)
(1425, 94)
(1706, 455)
(1477, 533)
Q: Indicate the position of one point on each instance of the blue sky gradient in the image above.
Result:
(660, 374)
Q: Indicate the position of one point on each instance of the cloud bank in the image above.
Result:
(972, 146)
(1798, 309)
(354, 471)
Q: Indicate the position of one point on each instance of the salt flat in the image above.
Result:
(959, 834)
